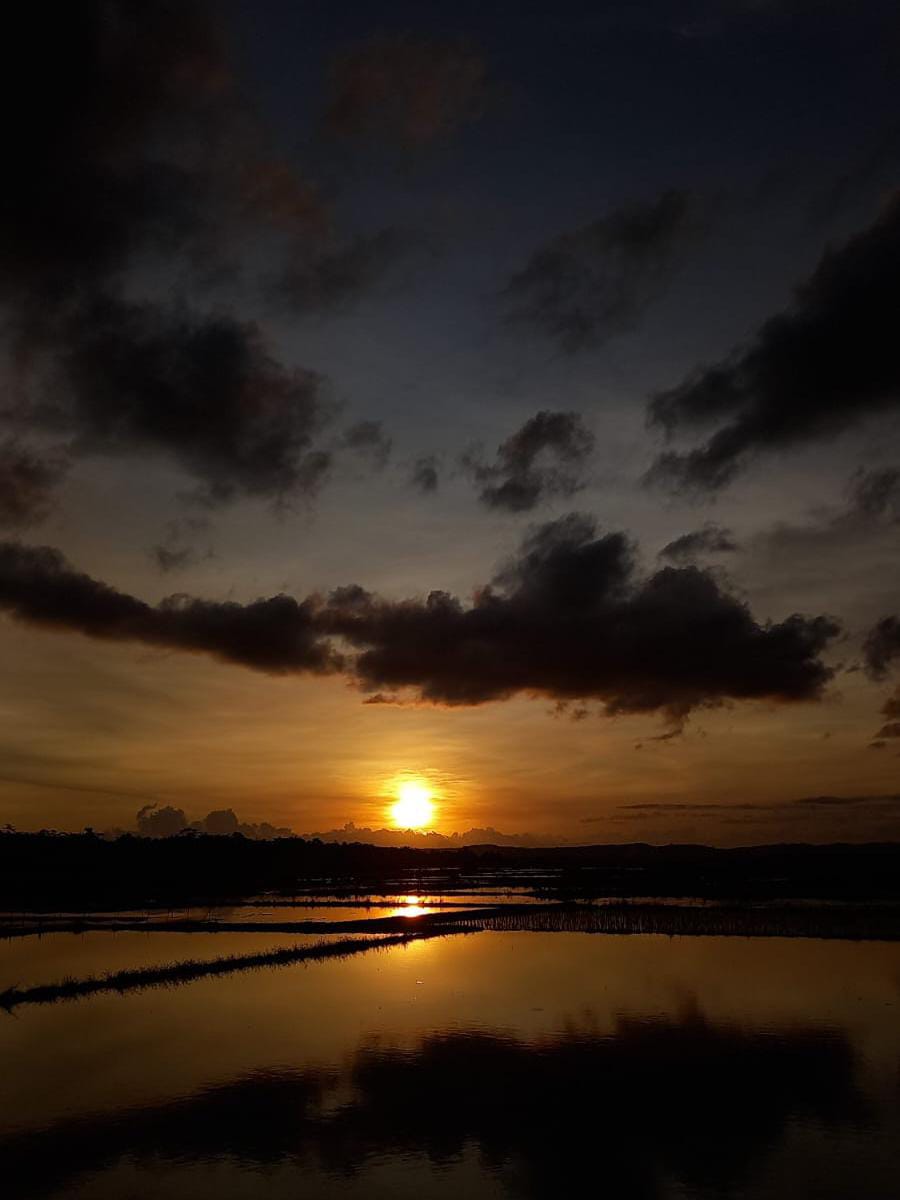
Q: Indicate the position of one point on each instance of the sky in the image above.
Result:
(499, 397)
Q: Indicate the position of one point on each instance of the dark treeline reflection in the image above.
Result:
(627, 1111)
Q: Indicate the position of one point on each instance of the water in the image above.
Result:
(486, 1064)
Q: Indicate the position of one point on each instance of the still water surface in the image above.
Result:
(486, 1065)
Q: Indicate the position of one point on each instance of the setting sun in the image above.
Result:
(413, 808)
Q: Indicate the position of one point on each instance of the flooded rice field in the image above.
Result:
(531, 1060)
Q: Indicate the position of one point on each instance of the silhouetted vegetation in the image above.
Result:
(848, 922)
(189, 970)
(214, 925)
(864, 922)
(80, 872)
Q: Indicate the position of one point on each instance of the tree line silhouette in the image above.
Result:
(81, 871)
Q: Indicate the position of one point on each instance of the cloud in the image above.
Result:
(204, 390)
(876, 493)
(155, 822)
(711, 539)
(585, 287)
(542, 460)
(425, 475)
(169, 559)
(278, 635)
(766, 810)
(87, 178)
(367, 438)
(880, 649)
(28, 482)
(405, 91)
(825, 364)
(322, 281)
(882, 646)
(429, 839)
(568, 618)
(139, 160)
(861, 526)
(175, 553)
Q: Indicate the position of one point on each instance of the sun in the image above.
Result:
(413, 808)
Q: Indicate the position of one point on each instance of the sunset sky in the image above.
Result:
(502, 397)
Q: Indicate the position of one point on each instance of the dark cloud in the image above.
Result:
(277, 635)
(425, 474)
(662, 807)
(824, 364)
(368, 438)
(861, 528)
(204, 390)
(405, 91)
(169, 559)
(542, 460)
(876, 493)
(569, 618)
(324, 281)
(766, 809)
(137, 158)
(92, 175)
(178, 550)
(844, 801)
(880, 650)
(584, 287)
(711, 539)
(28, 482)
(882, 646)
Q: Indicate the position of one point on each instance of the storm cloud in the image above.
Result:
(543, 459)
(586, 286)
(571, 617)
(826, 363)
(138, 160)
(568, 617)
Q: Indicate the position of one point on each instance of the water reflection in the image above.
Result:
(684, 1100)
(522, 1065)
